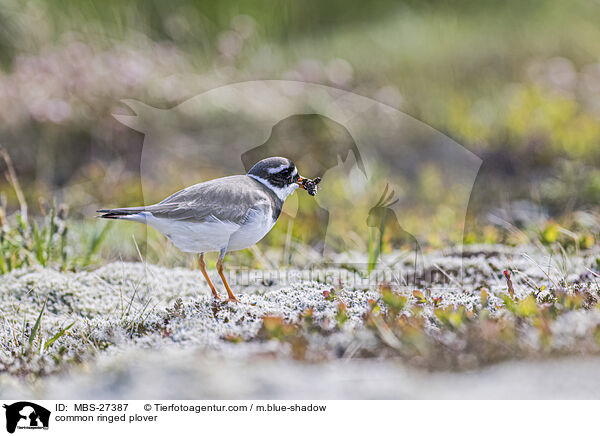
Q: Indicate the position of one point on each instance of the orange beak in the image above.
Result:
(301, 181)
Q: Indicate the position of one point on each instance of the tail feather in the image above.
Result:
(120, 213)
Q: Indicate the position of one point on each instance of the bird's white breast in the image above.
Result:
(256, 226)
(194, 237)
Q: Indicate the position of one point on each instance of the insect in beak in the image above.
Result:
(301, 181)
(309, 185)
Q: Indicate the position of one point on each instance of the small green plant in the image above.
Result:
(94, 245)
(32, 345)
(177, 311)
(392, 300)
(275, 327)
(466, 337)
(341, 315)
(35, 335)
(25, 241)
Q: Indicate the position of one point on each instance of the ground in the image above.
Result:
(134, 330)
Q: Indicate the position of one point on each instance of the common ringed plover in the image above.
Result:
(225, 214)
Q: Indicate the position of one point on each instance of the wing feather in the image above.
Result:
(226, 199)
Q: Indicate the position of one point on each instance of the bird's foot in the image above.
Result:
(233, 300)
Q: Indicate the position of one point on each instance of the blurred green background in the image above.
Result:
(517, 83)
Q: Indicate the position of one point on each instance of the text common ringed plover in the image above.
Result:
(225, 214)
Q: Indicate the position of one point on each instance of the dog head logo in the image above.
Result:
(26, 415)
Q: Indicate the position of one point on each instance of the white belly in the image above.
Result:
(194, 237)
(252, 231)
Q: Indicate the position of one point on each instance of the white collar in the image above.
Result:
(282, 193)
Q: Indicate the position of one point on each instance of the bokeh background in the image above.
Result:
(516, 83)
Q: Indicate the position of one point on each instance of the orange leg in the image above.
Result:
(202, 266)
(220, 270)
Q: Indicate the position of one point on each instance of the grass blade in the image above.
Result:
(23, 335)
(38, 244)
(51, 231)
(58, 335)
(3, 266)
(36, 326)
(95, 243)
